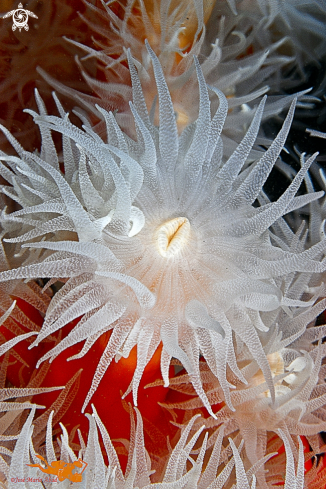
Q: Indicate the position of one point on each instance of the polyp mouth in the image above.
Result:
(172, 236)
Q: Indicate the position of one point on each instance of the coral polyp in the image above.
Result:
(163, 247)
(174, 474)
(200, 283)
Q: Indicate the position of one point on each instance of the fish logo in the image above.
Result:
(61, 469)
(19, 17)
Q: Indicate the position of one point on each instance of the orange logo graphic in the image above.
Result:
(62, 469)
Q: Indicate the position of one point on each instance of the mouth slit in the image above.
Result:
(172, 236)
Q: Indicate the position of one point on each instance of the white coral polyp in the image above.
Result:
(177, 473)
(219, 279)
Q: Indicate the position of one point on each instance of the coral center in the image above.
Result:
(172, 236)
(276, 364)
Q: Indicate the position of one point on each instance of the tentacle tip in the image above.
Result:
(230, 406)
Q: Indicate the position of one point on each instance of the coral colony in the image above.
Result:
(163, 248)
